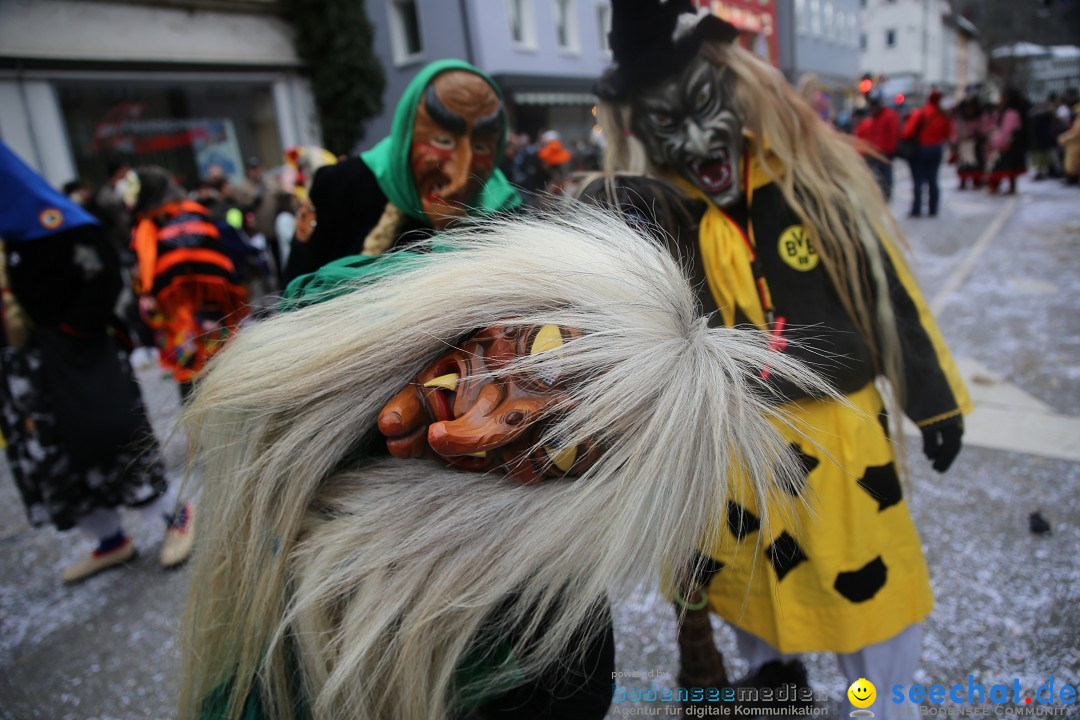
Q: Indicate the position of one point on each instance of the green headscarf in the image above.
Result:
(389, 159)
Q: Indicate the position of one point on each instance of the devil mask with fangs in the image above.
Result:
(692, 127)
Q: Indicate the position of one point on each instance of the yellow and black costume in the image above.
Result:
(845, 569)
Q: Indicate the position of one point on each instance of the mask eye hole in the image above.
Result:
(661, 119)
(443, 142)
(704, 95)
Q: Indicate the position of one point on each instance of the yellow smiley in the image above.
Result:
(862, 693)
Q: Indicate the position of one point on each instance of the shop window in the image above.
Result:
(522, 26)
(405, 35)
(185, 127)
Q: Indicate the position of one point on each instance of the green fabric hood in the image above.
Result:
(389, 159)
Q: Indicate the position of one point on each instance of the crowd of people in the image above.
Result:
(464, 422)
(990, 143)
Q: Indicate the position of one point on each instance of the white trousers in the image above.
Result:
(887, 663)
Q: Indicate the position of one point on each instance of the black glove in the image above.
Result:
(941, 443)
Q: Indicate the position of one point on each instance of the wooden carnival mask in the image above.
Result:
(458, 125)
(457, 412)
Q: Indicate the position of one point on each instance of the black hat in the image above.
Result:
(643, 45)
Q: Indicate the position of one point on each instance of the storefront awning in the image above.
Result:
(554, 98)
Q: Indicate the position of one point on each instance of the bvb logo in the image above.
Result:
(795, 249)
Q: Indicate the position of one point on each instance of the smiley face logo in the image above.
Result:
(862, 693)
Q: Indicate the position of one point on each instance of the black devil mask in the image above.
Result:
(682, 106)
(690, 124)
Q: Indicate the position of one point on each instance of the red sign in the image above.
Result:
(756, 21)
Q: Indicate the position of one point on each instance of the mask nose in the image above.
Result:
(457, 169)
(697, 140)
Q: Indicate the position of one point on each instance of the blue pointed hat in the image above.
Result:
(31, 208)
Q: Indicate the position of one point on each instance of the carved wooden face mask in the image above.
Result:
(456, 411)
(458, 125)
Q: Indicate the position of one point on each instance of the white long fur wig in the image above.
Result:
(357, 584)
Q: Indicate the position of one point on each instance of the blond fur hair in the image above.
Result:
(354, 587)
(823, 179)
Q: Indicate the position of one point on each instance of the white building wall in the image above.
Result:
(539, 54)
(919, 46)
(929, 49)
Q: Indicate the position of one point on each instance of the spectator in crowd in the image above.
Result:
(112, 207)
(78, 192)
(930, 128)
(969, 141)
(256, 199)
(1070, 142)
(556, 160)
(1008, 141)
(1045, 129)
(881, 131)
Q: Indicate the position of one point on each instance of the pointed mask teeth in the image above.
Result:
(562, 459)
(446, 382)
(480, 454)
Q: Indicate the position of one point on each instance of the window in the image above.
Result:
(890, 38)
(802, 24)
(840, 27)
(862, 41)
(827, 20)
(565, 25)
(185, 126)
(405, 37)
(522, 29)
(815, 17)
(852, 30)
(603, 26)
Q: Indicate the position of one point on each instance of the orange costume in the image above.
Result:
(197, 303)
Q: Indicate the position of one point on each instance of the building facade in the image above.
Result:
(821, 37)
(545, 54)
(915, 45)
(756, 21)
(87, 83)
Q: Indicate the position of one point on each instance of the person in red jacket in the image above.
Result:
(881, 132)
(931, 128)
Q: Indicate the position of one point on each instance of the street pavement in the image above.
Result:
(1002, 275)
